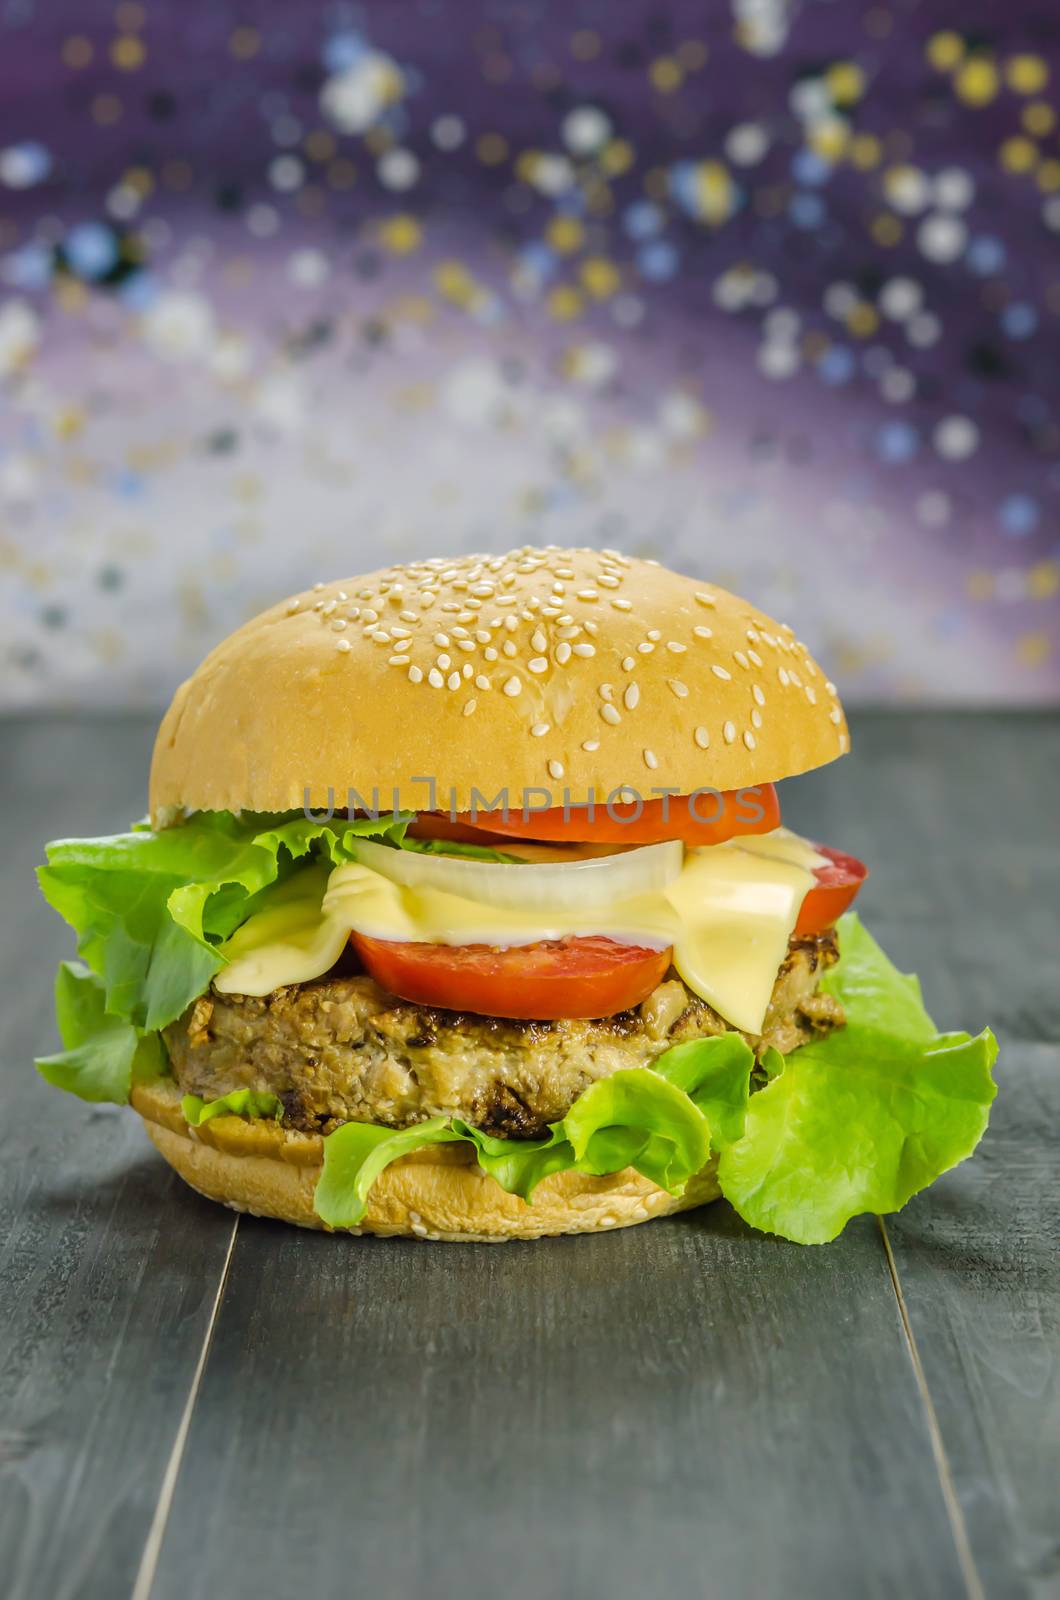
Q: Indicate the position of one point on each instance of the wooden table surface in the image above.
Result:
(197, 1405)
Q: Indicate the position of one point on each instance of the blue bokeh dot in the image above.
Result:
(1019, 515)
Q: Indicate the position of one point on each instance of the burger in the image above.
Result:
(465, 910)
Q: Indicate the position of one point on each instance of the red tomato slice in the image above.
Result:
(586, 977)
(836, 886)
(708, 818)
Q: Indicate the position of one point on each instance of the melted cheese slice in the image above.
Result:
(728, 915)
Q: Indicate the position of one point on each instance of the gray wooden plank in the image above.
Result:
(108, 1266)
(681, 1407)
(977, 1262)
(960, 812)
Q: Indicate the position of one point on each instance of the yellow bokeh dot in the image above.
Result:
(1039, 118)
(564, 303)
(401, 235)
(945, 50)
(341, 173)
(692, 54)
(979, 584)
(106, 109)
(1043, 580)
(77, 51)
(139, 179)
(1026, 74)
(565, 235)
(845, 81)
(127, 52)
(1048, 176)
(319, 145)
(600, 277)
(886, 229)
(866, 151)
(491, 149)
(585, 45)
(862, 320)
(666, 75)
(616, 157)
(829, 138)
(1034, 649)
(244, 43)
(1018, 154)
(977, 82)
(455, 283)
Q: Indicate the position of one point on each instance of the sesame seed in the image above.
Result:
(610, 715)
(317, 588)
(810, 695)
(628, 663)
(399, 633)
(721, 672)
(292, 607)
(591, 627)
(510, 648)
(756, 717)
(755, 657)
(752, 634)
(622, 605)
(415, 674)
(469, 706)
(606, 691)
(555, 769)
(835, 715)
(467, 669)
(702, 738)
(631, 698)
(537, 664)
(397, 661)
(584, 649)
(651, 759)
(703, 633)
(328, 608)
(539, 729)
(654, 634)
(796, 680)
(782, 675)
(678, 649)
(830, 686)
(844, 744)
(339, 624)
(757, 693)
(491, 653)
(513, 686)
(645, 647)
(705, 599)
(442, 641)
(588, 594)
(444, 662)
(435, 679)
(680, 689)
(739, 657)
(369, 615)
(409, 616)
(748, 738)
(607, 581)
(590, 745)
(342, 644)
(465, 644)
(511, 622)
(563, 652)
(538, 640)
(482, 682)
(729, 732)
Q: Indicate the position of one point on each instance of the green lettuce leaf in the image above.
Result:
(103, 1056)
(150, 909)
(865, 1118)
(238, 1103)
(635, 1118)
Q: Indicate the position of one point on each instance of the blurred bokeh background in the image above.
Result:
(768, 290)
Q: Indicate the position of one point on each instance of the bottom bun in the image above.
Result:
(436, 1193)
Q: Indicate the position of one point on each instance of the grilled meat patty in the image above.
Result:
(342, 1049)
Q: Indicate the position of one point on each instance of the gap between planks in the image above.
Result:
(958, 1526)
(145, 1576)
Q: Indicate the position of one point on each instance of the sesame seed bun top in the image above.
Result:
(543, 668)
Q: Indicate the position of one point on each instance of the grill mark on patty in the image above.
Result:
(342, 1049)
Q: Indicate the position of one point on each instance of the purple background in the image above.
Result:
(768, 291)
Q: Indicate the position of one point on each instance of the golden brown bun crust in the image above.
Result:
(437, 1193)
(554, 668)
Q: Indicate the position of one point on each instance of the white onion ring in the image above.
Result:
(553, 886)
